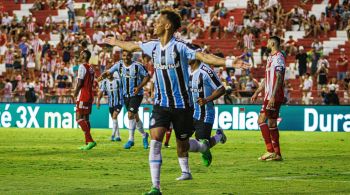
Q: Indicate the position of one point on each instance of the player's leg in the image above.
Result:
(135, 103)
(132, 127)
(201, 143)
(183, 127)
(116, 133)
(218, 137)
(91, 143)
(82, 116)
(111, 112)
(272, 116)
(160, 121)
(265, 133)
(167, 136)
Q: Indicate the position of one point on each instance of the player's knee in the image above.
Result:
(272, 123)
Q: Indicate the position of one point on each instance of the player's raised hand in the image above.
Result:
(239, 63)
(254, 97)
(110, 41)
(202, 101)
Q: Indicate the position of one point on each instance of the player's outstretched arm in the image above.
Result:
(103, 76)
(215, 95)
(125, 45)
(214, 60)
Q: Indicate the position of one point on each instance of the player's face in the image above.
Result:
(126, 57)
(161, 25)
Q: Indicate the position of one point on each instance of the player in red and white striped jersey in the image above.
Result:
(273, 99)
(84, 96)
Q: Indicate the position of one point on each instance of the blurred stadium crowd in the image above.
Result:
(38, 69)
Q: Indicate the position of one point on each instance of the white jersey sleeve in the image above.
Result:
(81, 72)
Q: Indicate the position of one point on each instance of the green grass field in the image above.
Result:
(47, 161)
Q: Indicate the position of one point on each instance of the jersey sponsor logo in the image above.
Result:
(207, 70)
(167, 66)
(196, 90)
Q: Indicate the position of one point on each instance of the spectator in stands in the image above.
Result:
(306, 89)
(264, 36)
(248, 40)
(252, 84)
(37, 5)
(7, 91)
(294, 17)
(48, 24)
(230, 27)
(314, 57)
(331, 97)
(345, 16)
(70, 6)
(324, 24)
(3, 43)
(103, 59)
(31, 63)
(247, 56)
(61, 83)
(342, 65)
(9, 58)
(214, 27)
(347, 29)
(223, 10)
(29, 91)
(258, 25)
(346, 83)
(291, 46)
(317, 45)
(24, 46)
(313, 27)
(322, 72)
(287, 89)
(196, 27)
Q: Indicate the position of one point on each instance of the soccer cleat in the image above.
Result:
(166, 145)
(267, 156)
(223, 138)
(117, 139)
(154, 191)
(129, 144)
(184, 176)
(276, 157)
(112, 139)
(145, 141)
(89, 146)
(206, 155)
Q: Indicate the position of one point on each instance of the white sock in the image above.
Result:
(155, 162)
(217, 138)
(183, 161)
(132, 126)
(139, 126)
(196, 146)
(115, 128)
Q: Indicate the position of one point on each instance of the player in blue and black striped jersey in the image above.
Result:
(172, 103)
(134, 76)
(112, 86)
(205, 87)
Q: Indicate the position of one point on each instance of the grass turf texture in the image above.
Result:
(47, 161)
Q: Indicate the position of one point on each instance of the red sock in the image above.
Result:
(167, 136)
(275, 136)
(266, 135)
(85, 126)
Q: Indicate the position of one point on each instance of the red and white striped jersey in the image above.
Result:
(36, 44)
(9, 58)
(31, 26)
(104, 56)
(248, 40)
(275, 63)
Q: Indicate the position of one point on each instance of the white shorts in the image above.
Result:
(30, 65)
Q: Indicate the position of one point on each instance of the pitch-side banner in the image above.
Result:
(227, 117)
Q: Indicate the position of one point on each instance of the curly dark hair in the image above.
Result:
(173, 16)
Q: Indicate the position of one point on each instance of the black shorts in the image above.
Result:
(182, 120)
(115, 108)
(202, 129)
(133, 103)
(9, 65)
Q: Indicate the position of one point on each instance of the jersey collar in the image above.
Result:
(168, 44)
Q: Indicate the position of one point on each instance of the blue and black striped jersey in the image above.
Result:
(171, 71)
(203, 82)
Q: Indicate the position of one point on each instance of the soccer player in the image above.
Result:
(172, 104)
(134, 77)
(84, 95)
(112, 85)
(205, 87)
(274, 97)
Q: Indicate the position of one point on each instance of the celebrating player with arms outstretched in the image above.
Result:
(84, 95)
(205, 87)
(172, 105)
(274, 97)
(112, 85)
(134, 76)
